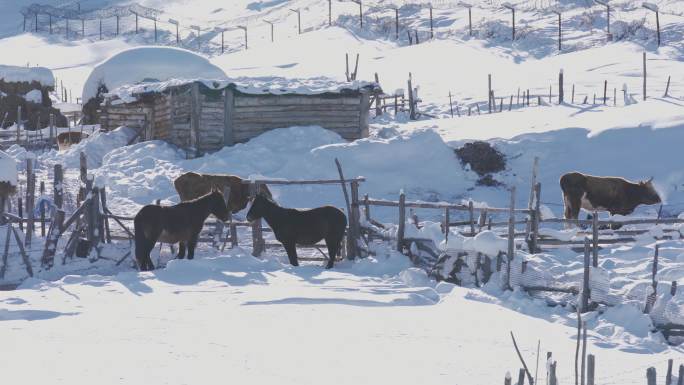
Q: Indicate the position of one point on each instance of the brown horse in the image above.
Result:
(301, 227)
(172, 224)
(192, 185)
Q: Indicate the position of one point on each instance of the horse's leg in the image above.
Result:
(143, 247)
(333, 244)
(192, 243)
(291, 252)
(147, 264)
(181, 250)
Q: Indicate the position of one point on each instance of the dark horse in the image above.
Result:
(172, 224)
(301, 227)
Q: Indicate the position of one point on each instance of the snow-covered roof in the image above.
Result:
(140, 64)
(271, 85)
(13, 74)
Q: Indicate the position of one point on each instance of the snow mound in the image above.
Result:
(27, 74)
(8, 169)
(34, 96)
(95, 146)
(485, 242)
(148, 64)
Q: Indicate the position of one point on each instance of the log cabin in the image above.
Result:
(203, 116)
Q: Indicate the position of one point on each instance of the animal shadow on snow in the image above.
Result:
(30, 315)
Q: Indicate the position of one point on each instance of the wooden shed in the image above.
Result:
(204, 116)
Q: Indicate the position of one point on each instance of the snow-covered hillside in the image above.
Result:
(227, 316)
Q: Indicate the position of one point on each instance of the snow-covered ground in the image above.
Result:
(228, 316)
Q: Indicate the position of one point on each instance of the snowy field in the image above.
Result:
(228, 316)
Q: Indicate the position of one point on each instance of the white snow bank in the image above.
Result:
(34, 96)
(96, 146)
(259, 85)
(485, 242)
(403, 162)
(27, 74)
(148, 64)
(8, 169)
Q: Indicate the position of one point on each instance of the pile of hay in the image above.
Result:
(484, 159)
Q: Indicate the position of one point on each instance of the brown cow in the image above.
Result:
(192, 185)
(612, 194)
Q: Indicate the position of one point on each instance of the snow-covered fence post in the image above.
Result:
(535, 217)
(651, 298)
(412, 106)
(54, 231)
(30, 197)
(584, 300)
(591, 369)
(511, 239)
(402, 220)
(57, 186)
(651, 376)
(594, 238)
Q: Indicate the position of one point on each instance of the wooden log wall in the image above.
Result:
(255, 114)
(191, 116)
(132, 115)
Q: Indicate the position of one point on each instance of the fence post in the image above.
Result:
(54, 231)
(257, 236)
(561, 92)
(536, 217)
(356, 218)
(645, 78)
(591, 369)
(553, 380)
(530, 202)
(595, 239)
(521, 377)
(651, 376)
(93, 218)
(20, 213)
(58, 187)
(105, 218)
(30, 196)
(680, 379)
(650, 299)
(511, 239)
(673, 288)
(584, 304)
(52, 130)
(447, 226)
(471, 217)
(402, 220)
(668, 377)
(42, 209)
(507, 379)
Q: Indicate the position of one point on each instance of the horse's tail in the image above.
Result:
(142, 243)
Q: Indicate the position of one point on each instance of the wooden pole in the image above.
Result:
(584, 352)
(595, 239)
(58, 187)
(355, 220)
(658, 27)
(42, 209)
(402, 220)
(651, 376)
(668, 377)
(489, 91)
(451, 106)
(329, 16)
(561, 95)
(644, 59)
(396, 23)
(30, 203)
(105, 219)
(432, 34)
(54, 231)
(584, 306)
(680, 379)
(511, 239)
(591, 369)
(605, 92)
(470, 21)
(471, 218)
